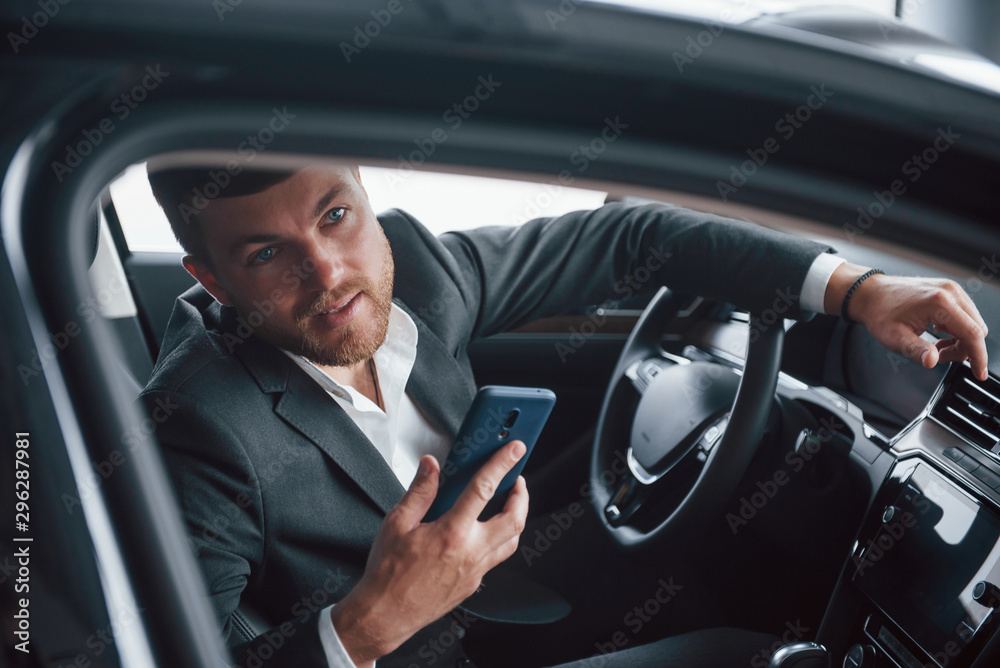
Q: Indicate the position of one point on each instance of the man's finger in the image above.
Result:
(502, 553)
(964, 327)
(484, 483)
(510, 521)
(418, 498)
(951, 350)
(917, 349)
(970, 307)
(954, 320)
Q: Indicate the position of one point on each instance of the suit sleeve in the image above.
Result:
(513, 275)
(219, 495)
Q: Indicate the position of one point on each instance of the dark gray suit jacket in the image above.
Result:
(283, 494)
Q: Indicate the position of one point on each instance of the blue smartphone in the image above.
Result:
(499, 414)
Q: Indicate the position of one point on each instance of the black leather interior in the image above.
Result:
(247, 625)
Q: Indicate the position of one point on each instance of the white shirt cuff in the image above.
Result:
(336, 653)
(817, 278)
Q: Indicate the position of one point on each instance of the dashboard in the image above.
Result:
(891, 390)
(921, 586)
(928, 563)
(925, 569)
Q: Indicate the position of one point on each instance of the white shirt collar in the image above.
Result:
(393, 361)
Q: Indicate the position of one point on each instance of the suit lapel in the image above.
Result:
(308, 408)
(313, 413)
(437, 382)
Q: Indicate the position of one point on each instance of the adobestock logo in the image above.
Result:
(786, 126)
(914, 168)
(247, 150)
(363, 35)
(121, 107)
(30, 25)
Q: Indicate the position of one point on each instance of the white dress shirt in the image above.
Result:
(817, 278)
(403, 434)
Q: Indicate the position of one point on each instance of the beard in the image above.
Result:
(358, 339)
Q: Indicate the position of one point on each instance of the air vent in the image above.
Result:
(972, 409)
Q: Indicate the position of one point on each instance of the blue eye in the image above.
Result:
(264, 254)
(334, 215)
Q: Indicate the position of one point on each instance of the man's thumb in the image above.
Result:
(419, 497)
(920, 351)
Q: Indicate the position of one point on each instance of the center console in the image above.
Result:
(928, 566)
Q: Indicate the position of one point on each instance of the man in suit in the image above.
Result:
(319, 372)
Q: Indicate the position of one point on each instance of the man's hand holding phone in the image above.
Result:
(418, 571)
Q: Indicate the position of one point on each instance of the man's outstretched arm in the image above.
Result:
(554, 265)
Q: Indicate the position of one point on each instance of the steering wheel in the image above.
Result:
(675, 437)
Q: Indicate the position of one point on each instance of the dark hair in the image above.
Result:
(183, 193)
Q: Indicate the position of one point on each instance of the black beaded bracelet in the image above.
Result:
(850, 293)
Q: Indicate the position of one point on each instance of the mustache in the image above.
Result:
(328, 300)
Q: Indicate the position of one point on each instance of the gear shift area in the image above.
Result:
(801, 655)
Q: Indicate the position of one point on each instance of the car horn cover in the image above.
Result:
(680, 403)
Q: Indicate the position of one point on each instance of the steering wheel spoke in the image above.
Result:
(625, 501)
(641, 373)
